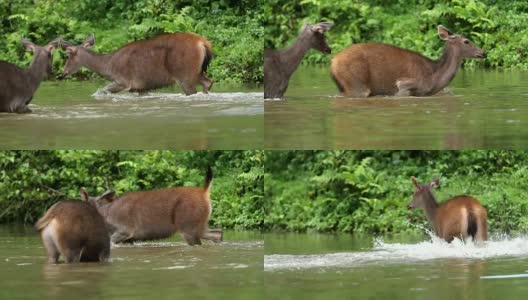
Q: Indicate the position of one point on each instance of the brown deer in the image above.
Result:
(461, 216)
(145, 65)
(279, 65)
(76, 231)
(18, 85)
(370, 69)
(149, 215)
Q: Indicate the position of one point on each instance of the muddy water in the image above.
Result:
(150, 270)
(73, 115)
(479, 110)
(316, 266)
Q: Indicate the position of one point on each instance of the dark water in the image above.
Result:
(317, 266)
(481, 109)
(67, 115)
(168, 269)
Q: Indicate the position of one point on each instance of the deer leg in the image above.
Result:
(114, 87)
(72, 255)
(215, 235)
(192, 239)
(206, 83)
(121, 237)
(357, 89)
(188, 89)
(52, 250)
(22, 109)
(405, 87)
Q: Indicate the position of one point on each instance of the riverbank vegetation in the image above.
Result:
(497, 26)
(233, 27)
(31, 181)
(368, 191)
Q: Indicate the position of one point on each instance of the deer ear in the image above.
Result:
(84, 195)
(28, 45)
(444, 33)
(322, 27)
(89, 42)
(108, 196)
(415, 182)
(53, 44)
(435, 183)
(71, 49)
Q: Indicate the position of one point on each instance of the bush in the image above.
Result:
(31, 181)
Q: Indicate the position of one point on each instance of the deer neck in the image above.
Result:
(446, 66)
(430, 208)
(37, 72)
(292, 57)
(99, 63)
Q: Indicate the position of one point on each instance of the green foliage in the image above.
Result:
(233, 27)
(368, 191)
(31, 181)
(497, 26)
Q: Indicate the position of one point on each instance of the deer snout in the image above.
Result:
(483, 55)
(327, 50)
(410, 206)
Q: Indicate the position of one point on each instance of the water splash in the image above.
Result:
(393, 253)
(217, 97)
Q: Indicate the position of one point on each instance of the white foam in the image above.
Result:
(230, 97)
(386, 253)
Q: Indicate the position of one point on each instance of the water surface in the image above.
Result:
(167, 269)
(481, 109)
(318, 266)
(73, 115)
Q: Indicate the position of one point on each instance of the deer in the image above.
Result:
(372, 69)
(145, 65)
(75, 230)
(18, 85)
(158, 214)
(459, 217)
(279, 65)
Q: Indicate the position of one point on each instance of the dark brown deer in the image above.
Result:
(76, 231)
(461, 216)
(371, 69)
(279, 65)
(18, 85)
(158, 214)
(149, 64)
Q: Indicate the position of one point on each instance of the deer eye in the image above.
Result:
(466, 42)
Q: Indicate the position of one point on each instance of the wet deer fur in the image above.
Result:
(75, 230)
(18, 85)
(370, 69)
(459, 217)
(157, 214)
(149, 64)
(279, 65)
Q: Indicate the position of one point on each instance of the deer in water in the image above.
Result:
(279, 65)
(145, 65)
(75, 230)
(461, 216)
(158, 214)
(18, 85)
(370, 69)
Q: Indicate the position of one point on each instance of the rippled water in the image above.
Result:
(75, 115)
(316, 266)
(169, 269)
(480, 109)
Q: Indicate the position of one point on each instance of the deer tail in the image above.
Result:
(208, 179)
(208, 55)
(46, 219)
(472, 225)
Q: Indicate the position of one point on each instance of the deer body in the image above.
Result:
(459, 217)
(76, 231)
(18, 85)
(370, 69)
(279, 65)
(148, 215)
(145, 65)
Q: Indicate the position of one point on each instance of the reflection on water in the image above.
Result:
(70, 115)
(480, 109)
(168, 269)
